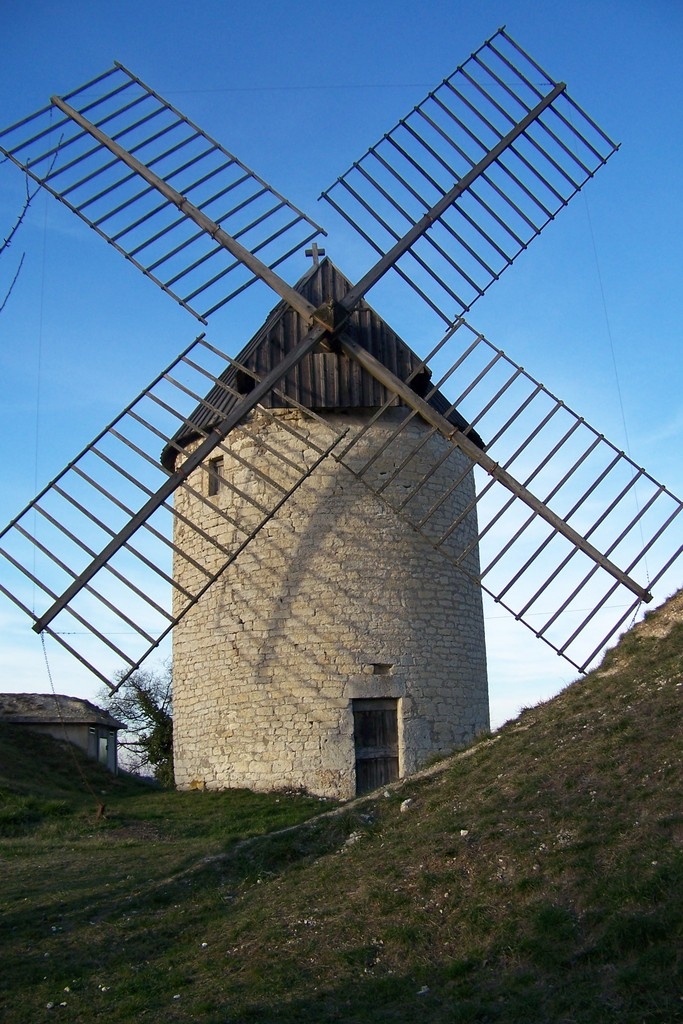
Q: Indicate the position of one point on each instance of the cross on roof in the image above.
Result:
(315, 253)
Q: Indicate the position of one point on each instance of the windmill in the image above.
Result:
(446, 201)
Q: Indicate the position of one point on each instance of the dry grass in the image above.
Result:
(538, 879)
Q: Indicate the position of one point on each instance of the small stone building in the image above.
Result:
(69, 719)
(339, 651)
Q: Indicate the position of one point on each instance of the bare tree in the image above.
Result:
(145, 702)
(6, 243)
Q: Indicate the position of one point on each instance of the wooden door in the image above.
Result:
(375, 730)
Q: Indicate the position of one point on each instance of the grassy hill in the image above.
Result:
(538, 877)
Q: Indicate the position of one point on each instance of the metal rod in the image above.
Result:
(519, 155)
(472, 192)
(70, 609)
(164, 539)
(186, 120)
(195, 184)
(112, 163)
(138, 554)
(630, 612)
(556, 138)
(134, 665)
(213, 229)
(137, 196)
(540, 70)
(516, 374)
(562, 565)
(428, 219)
(527, 441)
(63, 144)
(202, 234)
(534, 142)
(476, 455)
(46, 110)
(89, 153)
(653, 582)
(514, 149)
(70, 465)
(491, 183)
(117, 612)
(302, 243)
(63, 168)
(394, 234)
(431, 241)
(193, 460)
(536, 554)
(515, 537)
(593, 570)
(486, 178)
(256, 248)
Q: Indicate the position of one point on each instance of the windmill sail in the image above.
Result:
(100, 573)
(146, 227)
(517, 147)
(132, 599)
(574, 594)
(448, 199)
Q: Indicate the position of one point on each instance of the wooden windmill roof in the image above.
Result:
(321, 381)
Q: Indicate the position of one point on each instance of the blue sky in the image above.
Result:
(298, 91)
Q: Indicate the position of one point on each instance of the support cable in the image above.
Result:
(615, 367)
(99, 806)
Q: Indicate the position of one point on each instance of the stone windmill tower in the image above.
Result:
(312, 536)
(341, 650)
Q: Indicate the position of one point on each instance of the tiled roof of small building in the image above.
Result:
(321, 380)
(44, 708)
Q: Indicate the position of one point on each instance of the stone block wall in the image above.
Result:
(336, 598)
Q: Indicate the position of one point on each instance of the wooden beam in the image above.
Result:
(257, 267)
(494, 469)
(391, 257)
(323, 327)
(242, 407)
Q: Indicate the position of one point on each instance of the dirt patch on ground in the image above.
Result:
(662, 620)
(138, 830)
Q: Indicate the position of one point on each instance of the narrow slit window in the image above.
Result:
(215, 475)
(382, 668)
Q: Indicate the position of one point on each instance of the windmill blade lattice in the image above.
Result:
(448, 199)
(123, 612)
(518, 149)
(133, 598)
(573, 599)
(129, 213)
